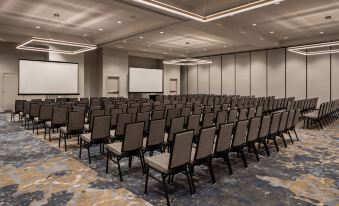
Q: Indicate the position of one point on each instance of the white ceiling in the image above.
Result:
(293, 22)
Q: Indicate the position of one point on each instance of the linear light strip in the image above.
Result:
(212, 17)
(83, 47)
(299, 49)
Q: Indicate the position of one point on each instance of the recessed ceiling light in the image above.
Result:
(37, 27)
(285, 37)
(162, 32)
(243, 32)
(225, 46)
(85, 34)
(119, 22)
(271, 32)
(141, 37)
(205, 49)
(254, 24)
(124, 41)
(100, 29)
(261, 38)
(165, 53)
(322, 32)
(149, 45)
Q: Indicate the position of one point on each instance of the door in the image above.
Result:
(10, 90)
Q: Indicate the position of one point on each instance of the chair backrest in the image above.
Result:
(177, 125)
(114, 116)
(239, 137)
(221, 118)
(296, 117)
(78, 108)
(59, 116)
(259, 112)
(197, 110)
(133, 111)
(283, 121)
(133, 138)
(205, 143)
(225, 107)
(185, 111)
(101, 127)
(207, 120)
(45, 112)
(232, 116)
(290, 119)
(157, 114)
(208, 109)
(251, 113)
(253, 131)
(145, 108)
(156, 132)
(224, 138)
(265, 126)
(275, 123)
(27, 107)
(143, 117)
(171, 113)
(122, 120)
(76, 120)
(19, 106)
(34, 110)
(182, 148)
(123, 107)
(193, 123)
(242, 114)
(158, 107)
(95, 113)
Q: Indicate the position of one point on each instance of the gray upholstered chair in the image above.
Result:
(100, 135)
(232, 116)
(155, 138)
(239, 139)
(177, 125)
(253, 134)
(18, 110)
(92, 114)
(119, 132)
(169, 164)
(193, 124)
(59, 119)
(157, 114)
(143, 117)
(282, 126)
(242, 114)
(221, 119)
(251, 112)
(223, 144)
(207, 120)
(273, 132)
(259, 112)
(130, 146)
(289, 123)
(203, 152)
(75, 126)
(264, 130)
(45, 115)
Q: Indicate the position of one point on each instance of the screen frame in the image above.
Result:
(19, 93)
(163, 81)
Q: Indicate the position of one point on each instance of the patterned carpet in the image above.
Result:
(34, 171)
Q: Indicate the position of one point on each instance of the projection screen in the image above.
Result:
(48, 77)
(145, 80)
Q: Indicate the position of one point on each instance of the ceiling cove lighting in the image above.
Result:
(217, 15)
(303, 50)
(187, 61)
(31, 45)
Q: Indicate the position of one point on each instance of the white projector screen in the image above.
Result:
(48, 77)
(145, 80)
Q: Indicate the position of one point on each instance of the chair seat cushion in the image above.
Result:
(112, 133)
(115, 147)
(313, 115)
(48, 124)
(86, 137)
(63, 129)
(159, 162)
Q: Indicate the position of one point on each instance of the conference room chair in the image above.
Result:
(251, 112)
(221, 119)
(143, 117)
(27, 107)
(197, 110)
(216, 109)
(273, 131)
(203, 152)
(123, 107)
(232, 116)
(260, 111)
(175, 162)
(223, 143)
(92, 114)
(59, 119)
(36, 100)
(282, 126)
(189, 105)
(208, 109)
(242, 114)
(108, 108)
(145, 108)
(176, 125)
(75, 126)
(158, 107)
(18, 110)
(155, 138)
(119, 131)
(99, 135)
(253, 135)
(157, 114)
(114, 116)
(131, 145)
(185, 112)
(239, 139)
(289, 124)
(225, 107)
(133, 111)
(169, 107)
(45, 114)
(193, 123)
(171, 113)
(207, 120)
(34, 112)
(296, 122)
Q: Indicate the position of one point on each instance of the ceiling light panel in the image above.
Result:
(322, 48)
(214, 16)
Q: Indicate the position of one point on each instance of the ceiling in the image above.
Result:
(124, 24)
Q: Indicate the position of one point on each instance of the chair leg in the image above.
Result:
(165, 187)
(49, 134)
(289, 134)
(80, 149)
(65, 137)
(210, 168)
(266, 148)
(295, 132)
(89, 154)
(282, 137)
(120, 174)
(107, 161)
(243, 158)
(228, 162)
(45, 132)
(37, 129)
(146, 182)
(255, 152)
(59, 139)
(191, 171)
(142, 162)
(130, 161)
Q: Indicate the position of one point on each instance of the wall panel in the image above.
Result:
(228, 74)
(243, 77)
(335, 76)
(295, 75)
(258, 73)
(276, 73)
(318, 77)
(203, 79)
(192, 80)
(215, 75)
(183, 80)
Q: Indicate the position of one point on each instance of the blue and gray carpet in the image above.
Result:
(34, 171)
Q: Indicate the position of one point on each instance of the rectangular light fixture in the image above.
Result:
(218, 15)
(31, 46)
(303, 50)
